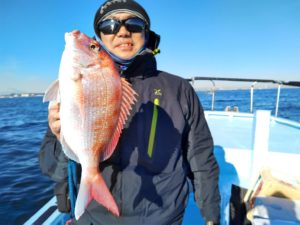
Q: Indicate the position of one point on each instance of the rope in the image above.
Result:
(72, 181)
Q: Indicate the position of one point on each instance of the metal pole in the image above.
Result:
(213, 96)
(251, 96)
(193, 81)
(277, 101)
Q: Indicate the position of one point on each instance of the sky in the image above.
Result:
(221, 38)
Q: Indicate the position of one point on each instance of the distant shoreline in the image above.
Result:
(21, 95)
(197, 89)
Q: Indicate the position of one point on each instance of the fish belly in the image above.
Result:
(90, 109)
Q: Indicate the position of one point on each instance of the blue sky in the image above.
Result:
(227, 38)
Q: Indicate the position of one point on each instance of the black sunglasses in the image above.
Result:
(112, 26)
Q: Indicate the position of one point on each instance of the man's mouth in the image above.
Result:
(125, 46)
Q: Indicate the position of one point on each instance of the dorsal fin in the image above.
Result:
(128, 99)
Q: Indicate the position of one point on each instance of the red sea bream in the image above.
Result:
(94, 104)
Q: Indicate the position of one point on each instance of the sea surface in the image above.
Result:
(23, 122)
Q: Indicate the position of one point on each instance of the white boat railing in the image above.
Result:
(254, 82)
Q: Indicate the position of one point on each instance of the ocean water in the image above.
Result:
(23, 122)
(289, 106)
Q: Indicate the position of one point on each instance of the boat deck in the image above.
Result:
(244, 143)
(241, 153)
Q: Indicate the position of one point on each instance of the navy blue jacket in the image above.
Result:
(165, 142)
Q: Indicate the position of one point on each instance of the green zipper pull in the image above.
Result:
(153, 127)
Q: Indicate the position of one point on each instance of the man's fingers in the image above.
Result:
(54, 118)
(54, 106)
(55, 126)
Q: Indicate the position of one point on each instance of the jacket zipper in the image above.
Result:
(153, 127)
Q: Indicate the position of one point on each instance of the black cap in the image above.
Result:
(112, 6)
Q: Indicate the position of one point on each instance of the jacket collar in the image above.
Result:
(143, 66)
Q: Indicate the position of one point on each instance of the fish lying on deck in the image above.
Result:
(94, 105)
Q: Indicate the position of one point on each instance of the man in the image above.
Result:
(165, 143)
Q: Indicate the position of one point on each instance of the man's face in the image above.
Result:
(123, 44)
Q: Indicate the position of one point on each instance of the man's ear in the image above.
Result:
(153, 40)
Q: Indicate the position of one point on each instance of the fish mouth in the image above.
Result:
(76, 39)
(72, 35)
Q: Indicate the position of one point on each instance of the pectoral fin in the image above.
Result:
(52, 92)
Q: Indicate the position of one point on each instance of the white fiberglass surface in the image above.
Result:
(234, 130)
(284, 137)
(231, 131)
(235, 168)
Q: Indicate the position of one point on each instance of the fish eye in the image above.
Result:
(94, 46)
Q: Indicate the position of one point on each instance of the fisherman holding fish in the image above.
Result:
(138, 135)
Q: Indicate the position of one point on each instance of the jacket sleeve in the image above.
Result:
(53, 161)
(202, 163)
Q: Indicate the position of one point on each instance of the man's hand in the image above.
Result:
(54, 118)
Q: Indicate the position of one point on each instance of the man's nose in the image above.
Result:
(123, 31)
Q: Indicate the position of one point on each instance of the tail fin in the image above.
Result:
(94, 188)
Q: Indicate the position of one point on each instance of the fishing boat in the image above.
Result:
(253, 149)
